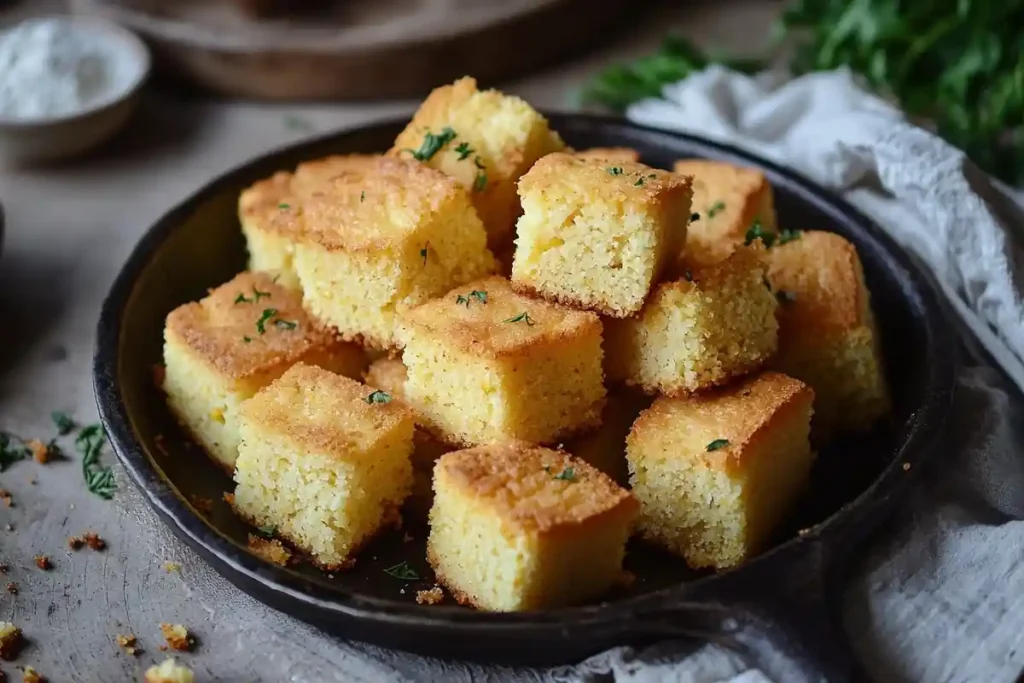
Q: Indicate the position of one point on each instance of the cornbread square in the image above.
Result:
(627, 154)
(487, 364)
(270, 212)
(712, 325)
(517, 527)
(169, 671)
(716, 472)
(605, 447)
(324, 460)
(485, 140)
(597, 234)
(383, 236)
(728, 199)
(827, 332)
(389, 374)
(222, 349)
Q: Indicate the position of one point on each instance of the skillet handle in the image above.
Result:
(777, 619)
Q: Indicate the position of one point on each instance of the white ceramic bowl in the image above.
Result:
(60, 137)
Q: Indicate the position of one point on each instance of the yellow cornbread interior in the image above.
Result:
(321, 465)
(717, 508)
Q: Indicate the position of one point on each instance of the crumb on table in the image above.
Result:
(11, 588)
(75, 543)
(430, 597)
(93, 540)
(177, 636)
(40, 451)
(270, 550)
(5, 496)
(11, 640)
(30, 675)
(172, 567)
(128, 644)
(169, 671)
(43, 562)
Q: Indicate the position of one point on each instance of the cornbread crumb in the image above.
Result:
(177, 637)
(392, 235)
(93, 540)
(497, 139)
(75, 543)
(11, 640)
(430, 597)
(827, 332)
(323, 461)
(518, 527)
(40, 451)
(906, 467)
(240, 337)
(623, 154)
(169, 671)
(595, 235)
(270, 550)
(43, 562)
(11, 588)
(499, 365)
(712, 325)
(30, 675)
(715, 472)
(229, 498)
(172, 567)
(728, 199)
(128, 644)
(6, 497)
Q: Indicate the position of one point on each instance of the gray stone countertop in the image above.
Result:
(68, 230)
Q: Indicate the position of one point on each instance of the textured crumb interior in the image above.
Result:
(497, 567)
(361, 292)
(270, 252)
(716, 516)
(169, 671)
(598, 253)
(326, 504)
(536, 397)
(850, 393)
(692, 336)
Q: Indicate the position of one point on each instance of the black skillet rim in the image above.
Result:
(225, 556)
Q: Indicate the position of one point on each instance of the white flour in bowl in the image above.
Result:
(51, 68)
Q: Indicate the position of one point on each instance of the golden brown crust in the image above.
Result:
(534, 488)
(618, 180)
(388, 374)
(739, 413)
(377, 204)
(568, 300)
(693, 274)
(627, 154)
(822, 274)
(270, 550)
(488, 330)
(324, 412)
(216, 328)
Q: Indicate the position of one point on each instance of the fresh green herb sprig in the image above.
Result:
(523, 317)
(63, 422)
(956, 65)
(12, 449)
(716, 445)
(465, 299)
(378, 397)
(568, 474)
(99, 479)
(432, 144)
(403, 571)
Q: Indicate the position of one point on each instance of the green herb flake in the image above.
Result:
(717, 444)
(65, 425)
(283, 205)
(479, 295)
(247, 339)
(424, 252)
(688, 275)
(99, 479)
(403, 571)
(480, 182)
(615, 170)
(463, 150)
(259, 295)
(757, 231)
(12, 449)
(261, 324)
(362, 196)
(786, 236)
(242, 299)
(285, 324)
(715, 209)
(432, 144)
(785, 297)
(378, 397)
(267, 530)
(464, 300)
(523, 317)
(639, 182)
(568, 474)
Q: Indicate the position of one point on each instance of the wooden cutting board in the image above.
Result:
(356, 49)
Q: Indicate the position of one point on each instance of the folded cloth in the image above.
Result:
(940, 597)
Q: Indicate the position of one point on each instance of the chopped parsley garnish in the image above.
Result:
(615, 170)
(424, 251)
(261, 324)
(480, 182)
(285, 324)
(256, 296)
(259, 295)
(98, 479)
(432, 144)
(568, 474)
(362, 196)
(247, 339)
(694, 217)
(715, 209)
(283, 205)
(475, 294)
(639, 182)
(757, 231)
(523, 317)
(688, 275)
(242, 299)
(464, 150)
(652, 175)
(65, 425)
(268, 530)
(12, 449)
(785, 297)
(789, 235)
(378, 397)
(717, 444)
(403, 571)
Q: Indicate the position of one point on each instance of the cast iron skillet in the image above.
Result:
(779, 609)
